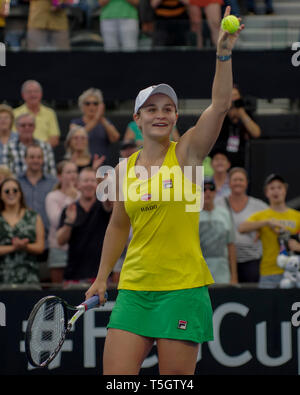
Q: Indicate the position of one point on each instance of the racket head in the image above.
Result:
(46, 330)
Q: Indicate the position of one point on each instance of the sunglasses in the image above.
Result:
(13, 190)
(88, 103)
(209, 187)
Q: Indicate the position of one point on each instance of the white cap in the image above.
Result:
(151, 90)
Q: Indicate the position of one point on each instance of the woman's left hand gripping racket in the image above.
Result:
(48, 326)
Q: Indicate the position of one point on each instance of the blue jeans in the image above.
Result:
(268, 3)
(271, 281)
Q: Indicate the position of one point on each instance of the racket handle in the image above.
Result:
(92, 302)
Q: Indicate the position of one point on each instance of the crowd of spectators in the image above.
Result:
(121, 23)
(50, 214)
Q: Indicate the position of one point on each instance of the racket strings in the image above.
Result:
(47, 331)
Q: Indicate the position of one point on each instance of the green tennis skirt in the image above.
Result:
(182, 314)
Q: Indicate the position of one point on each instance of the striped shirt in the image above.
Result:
(247, 247)
(14, 157)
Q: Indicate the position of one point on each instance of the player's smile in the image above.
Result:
(160, 124)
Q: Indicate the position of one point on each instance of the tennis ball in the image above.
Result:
(230, 24)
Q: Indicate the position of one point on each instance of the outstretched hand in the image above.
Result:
(226, 41)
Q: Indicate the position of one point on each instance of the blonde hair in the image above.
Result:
(73, 129)
(59, 169)
(89, 92)
(238, 170)
(8, 109)
(5, 172)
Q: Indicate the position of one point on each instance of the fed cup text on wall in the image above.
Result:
(2, 54)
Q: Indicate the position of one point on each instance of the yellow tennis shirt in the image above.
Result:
(291, 220)
(164, 253)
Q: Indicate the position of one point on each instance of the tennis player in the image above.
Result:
(163, 293)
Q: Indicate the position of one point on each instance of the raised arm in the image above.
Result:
(37, 247)
(197, 142)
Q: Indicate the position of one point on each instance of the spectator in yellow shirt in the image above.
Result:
(268, 224)
(47, 128)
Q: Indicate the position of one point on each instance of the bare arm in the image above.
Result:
(232, 263)
(252, 226)
(197, 142)
(252, 127)
(7, 249)
(115, 240)
(38, 246)
(112, 133)
(63, 234)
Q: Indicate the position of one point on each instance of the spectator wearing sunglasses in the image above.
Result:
(101, 132)
(21, 236)
(217, 238)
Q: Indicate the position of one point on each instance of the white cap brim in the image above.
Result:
(144, 95)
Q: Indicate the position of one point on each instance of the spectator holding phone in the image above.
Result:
(237, 129)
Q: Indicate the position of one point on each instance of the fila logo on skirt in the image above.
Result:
(182, 324)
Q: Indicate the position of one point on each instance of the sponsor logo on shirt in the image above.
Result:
(146, 197)
(167, 183)
(149, 208)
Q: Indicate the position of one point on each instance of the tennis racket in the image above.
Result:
(48, 326)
